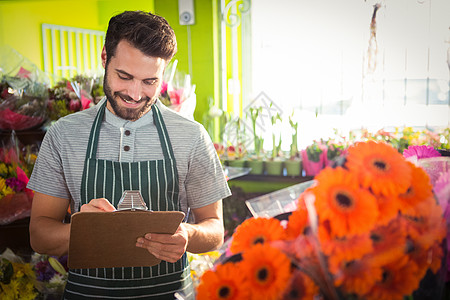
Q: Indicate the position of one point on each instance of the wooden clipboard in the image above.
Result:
(108, 239)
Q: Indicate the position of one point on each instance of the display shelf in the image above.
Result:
(16, 236)
(25, 137)
(278, 202)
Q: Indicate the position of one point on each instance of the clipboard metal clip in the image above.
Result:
(131, 200)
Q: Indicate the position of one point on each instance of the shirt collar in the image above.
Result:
(119, 122)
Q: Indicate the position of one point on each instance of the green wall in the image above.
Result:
(20, 28)
(21, 20)
(204, 35)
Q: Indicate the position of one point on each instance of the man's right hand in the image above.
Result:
(98, 205)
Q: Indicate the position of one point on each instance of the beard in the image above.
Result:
(125, 113)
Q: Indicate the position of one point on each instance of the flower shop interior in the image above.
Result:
(321, 113)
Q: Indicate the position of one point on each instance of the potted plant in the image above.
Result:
(335, 150)
(293, 164)
(274, 166)
(314, 158)
(236, 152)
(255, 161)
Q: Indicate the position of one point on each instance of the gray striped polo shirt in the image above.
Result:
(59, 166)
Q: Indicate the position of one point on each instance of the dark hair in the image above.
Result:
(149, 33)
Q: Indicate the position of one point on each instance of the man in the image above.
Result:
(128, 140)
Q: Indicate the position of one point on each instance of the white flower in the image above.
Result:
(215, 112)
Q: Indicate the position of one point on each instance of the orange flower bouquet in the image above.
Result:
(368, 228)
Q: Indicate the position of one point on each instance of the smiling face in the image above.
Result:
(132, 81)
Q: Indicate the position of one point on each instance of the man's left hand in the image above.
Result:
(166, 247)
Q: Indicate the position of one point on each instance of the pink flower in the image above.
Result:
(420, 152)
(85, 102)
(176, 96)
(164, 87)
(74, 105)
(23, 73)
(21, 175)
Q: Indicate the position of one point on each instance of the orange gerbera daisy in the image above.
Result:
(436, 256)
(256, 231)
(225, 283)
(267, 270)
(426, 258)
(389, 206)
(419, 190)
(300, 287)
(358, 276)
(380, 167)
(389, 242)
(298, 222)
(302, 250)
(340, 249)
(339, 199)
(399, 279)
(426, 229)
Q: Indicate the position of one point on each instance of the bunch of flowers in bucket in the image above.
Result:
(23, 101)
(23, 92)
(15, 168)
(368, 228)
(42, 277)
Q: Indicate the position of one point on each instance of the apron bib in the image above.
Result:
(157, 180)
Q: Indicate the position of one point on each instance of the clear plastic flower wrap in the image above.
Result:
(177, 91)
(369, 227)
(23, 92)
(71, 95)
(437, 167)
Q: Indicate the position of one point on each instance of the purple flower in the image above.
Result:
(63, 262)
(16, 184)
(420, 152)
(44, 271)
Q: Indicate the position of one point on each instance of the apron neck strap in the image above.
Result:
(162, 132)
(91, 151)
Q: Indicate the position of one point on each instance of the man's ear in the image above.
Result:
(103, 56)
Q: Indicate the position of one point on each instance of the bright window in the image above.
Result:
(313, 58)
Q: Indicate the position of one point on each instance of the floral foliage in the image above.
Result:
(323, 153)
(438, 168)
(51, 273)
(17, 280)
(177, 91)
(15, 169)
(23, 101)
(369, 228)
(69, 96)
(42, 275)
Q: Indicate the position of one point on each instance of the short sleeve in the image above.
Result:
(206, 182)
(48, 176)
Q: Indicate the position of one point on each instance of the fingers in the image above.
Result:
(167, 252)
(164, 246)
(97, 205)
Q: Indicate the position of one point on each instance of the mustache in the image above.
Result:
(128, 98)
